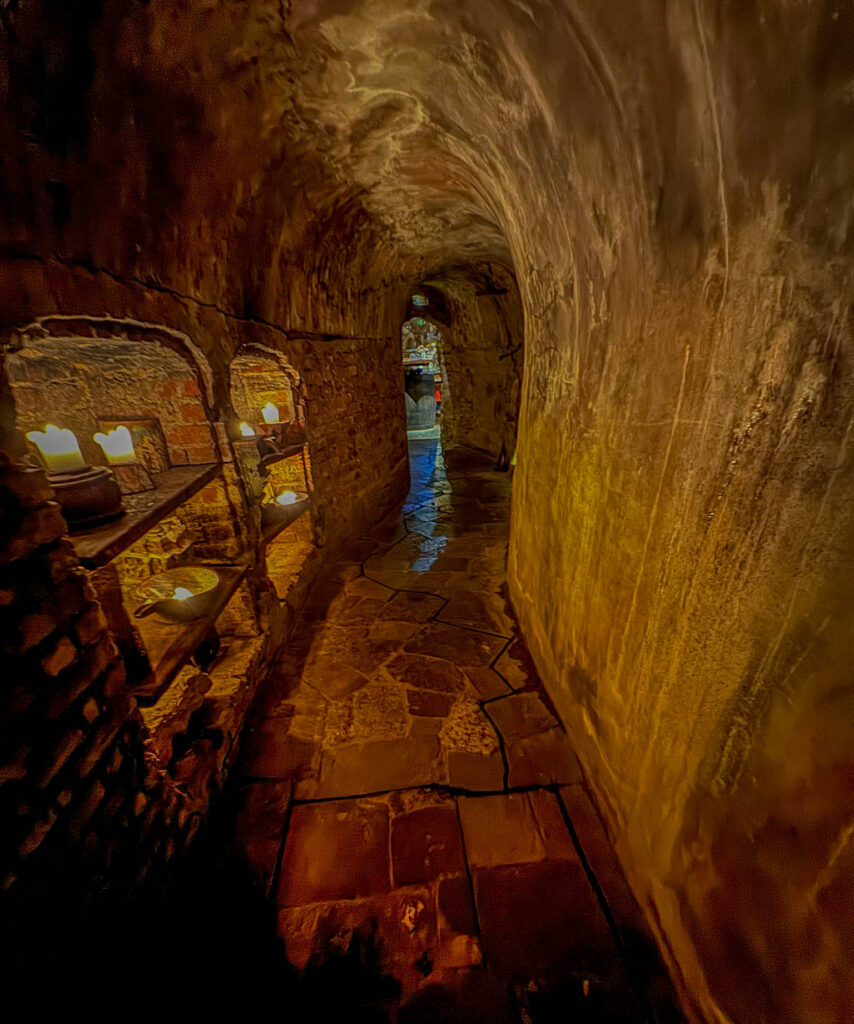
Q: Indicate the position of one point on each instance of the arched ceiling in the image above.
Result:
(219, 144)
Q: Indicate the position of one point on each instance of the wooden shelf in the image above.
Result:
(274, 518)
(142, 511)
(171, 645)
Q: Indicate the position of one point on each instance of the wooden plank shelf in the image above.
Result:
(170, 645)
(274, 518)
(142, 511)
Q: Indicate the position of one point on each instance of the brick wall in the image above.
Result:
(97, 802)
(81, 795)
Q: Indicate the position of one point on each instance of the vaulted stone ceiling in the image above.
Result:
(671, 183)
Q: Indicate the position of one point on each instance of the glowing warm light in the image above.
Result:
(58, 448)
(181, 594)
(287, 498)
(117, 446)
(270, 413)
(246, 430)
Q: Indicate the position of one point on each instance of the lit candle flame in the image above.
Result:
(58, 448)
(246, 430)
(270, 413)
(117, 446)
(287, 498)
(181, 594)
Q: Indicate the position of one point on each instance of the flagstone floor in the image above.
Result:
(413, 806)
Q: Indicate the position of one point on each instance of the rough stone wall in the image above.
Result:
(483, 357)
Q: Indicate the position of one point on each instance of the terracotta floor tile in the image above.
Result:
(534, 917)
(425, 844)
(500, 830)
(335, 851)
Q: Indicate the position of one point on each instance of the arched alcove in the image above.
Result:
(268, 399)
(180, 512)
(88, 374)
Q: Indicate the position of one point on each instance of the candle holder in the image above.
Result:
(88, 495)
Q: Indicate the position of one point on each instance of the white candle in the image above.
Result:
(287, 498)
(270, 413)
(58, 448)
(117, 446)
(246, 430)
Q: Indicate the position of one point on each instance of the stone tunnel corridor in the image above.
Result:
(406, 785)
(577, 748)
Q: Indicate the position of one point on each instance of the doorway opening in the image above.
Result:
(425, 380)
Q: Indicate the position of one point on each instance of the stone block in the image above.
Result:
(264, 808)
(81, 817)
(541, 760)
(456, 905)
(426, 703)
(410, 607)
(519, 715)
(32, 630)
(476, 610)
(475, 772)
(486, 683)
(426, 673)
(454, 644)
(90, 626)
(401, 763)
(516, 666)
(59, 657)
(425, 844)
(69, 742)
(37, 832)
(602, 858)
(42, 526)
(541, 918)
(335, 851)
(500, 830)
(29, 486)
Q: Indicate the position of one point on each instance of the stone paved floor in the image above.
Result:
(411, 803)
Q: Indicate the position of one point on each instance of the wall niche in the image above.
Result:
(172, 566)
(271, 449)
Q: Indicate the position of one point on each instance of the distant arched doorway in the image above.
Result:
(424, 373)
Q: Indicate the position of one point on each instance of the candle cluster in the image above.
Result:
(61, 453)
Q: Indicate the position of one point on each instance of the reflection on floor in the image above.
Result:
(411, 804)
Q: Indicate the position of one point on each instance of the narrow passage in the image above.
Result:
(410, 801)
